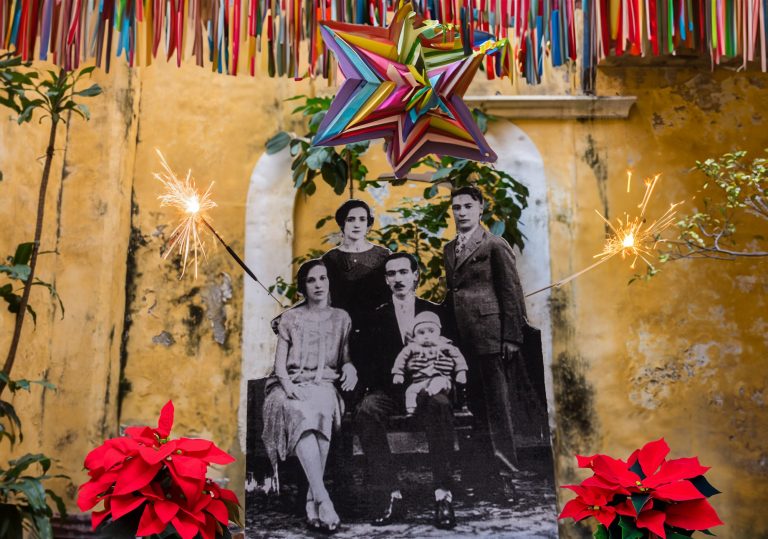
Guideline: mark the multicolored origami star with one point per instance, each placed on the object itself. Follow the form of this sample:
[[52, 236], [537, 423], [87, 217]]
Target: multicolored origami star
[[404, 85]]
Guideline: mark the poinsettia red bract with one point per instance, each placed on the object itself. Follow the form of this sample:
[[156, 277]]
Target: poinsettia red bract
[[164, 479], [647, 493]]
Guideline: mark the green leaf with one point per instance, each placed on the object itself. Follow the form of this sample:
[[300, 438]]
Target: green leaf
[[703, 486], [315, 121], [93, 90], [298, 175], [32, 490], [85, 71], [358, 147], [16, 467], [14, 301], [639, 501], [430, 192], [601, 533], [497, 228], [52, 291], [637, 469], [278, 142], [341, 178], [628, 529], [441, 173], [43, 525], [321, 222], [83, 111], [61, 507], [329, 173], [481, 118], [23, 253], [15, 385], [17, 271], [7, 410], [317, 156], [26, 114]]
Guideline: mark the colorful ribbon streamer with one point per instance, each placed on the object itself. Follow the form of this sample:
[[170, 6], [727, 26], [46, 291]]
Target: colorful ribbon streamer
[[71, 32]]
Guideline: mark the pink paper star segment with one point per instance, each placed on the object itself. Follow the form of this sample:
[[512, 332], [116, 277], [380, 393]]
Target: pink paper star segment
[[404, 85]]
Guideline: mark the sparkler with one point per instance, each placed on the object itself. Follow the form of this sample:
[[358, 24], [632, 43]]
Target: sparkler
[[631, 237], [183, 196]]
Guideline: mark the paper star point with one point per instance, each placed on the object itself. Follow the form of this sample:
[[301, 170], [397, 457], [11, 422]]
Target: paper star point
[[405, 86]]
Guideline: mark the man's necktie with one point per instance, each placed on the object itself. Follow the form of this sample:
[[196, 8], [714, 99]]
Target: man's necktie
[[461, 242]]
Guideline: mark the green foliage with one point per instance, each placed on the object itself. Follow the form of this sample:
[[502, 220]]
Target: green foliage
[[420, 223], [419, 229], [25, 91], [505, 197], [336, 167], [12, 83], [734, 195], [10, 424], [17, 269], [24, 509]]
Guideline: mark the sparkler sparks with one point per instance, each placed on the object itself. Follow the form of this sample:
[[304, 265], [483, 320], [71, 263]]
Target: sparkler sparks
[[183, 196], [631, 237]]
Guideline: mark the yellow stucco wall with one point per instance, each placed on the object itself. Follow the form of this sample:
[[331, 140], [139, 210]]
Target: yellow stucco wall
[[682, 356], [679, 357]]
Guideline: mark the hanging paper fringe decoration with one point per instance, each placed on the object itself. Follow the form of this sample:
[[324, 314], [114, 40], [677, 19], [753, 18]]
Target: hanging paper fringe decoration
[[71, 32], [718, 28]]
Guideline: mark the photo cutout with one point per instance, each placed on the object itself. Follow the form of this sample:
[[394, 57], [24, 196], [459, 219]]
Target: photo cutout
[[408, 391]]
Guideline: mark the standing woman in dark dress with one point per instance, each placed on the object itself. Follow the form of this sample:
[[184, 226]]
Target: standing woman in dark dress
[[356, 274]]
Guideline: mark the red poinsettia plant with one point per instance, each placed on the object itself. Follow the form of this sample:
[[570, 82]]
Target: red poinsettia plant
[[646, 496], [152, 486]]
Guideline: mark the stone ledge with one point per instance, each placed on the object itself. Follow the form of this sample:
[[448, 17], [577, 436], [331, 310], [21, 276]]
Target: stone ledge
[[553, 107]]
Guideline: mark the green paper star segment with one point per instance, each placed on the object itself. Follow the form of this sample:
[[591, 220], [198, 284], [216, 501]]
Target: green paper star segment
[[405, 84]]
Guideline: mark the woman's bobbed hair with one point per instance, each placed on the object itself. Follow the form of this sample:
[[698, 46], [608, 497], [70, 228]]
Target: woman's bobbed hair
[[301, 275], [348, 206]]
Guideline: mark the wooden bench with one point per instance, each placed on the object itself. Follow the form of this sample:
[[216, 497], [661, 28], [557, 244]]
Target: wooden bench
[[404, 435]]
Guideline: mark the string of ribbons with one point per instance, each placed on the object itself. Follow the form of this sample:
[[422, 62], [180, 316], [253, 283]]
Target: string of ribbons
[[230, 35]]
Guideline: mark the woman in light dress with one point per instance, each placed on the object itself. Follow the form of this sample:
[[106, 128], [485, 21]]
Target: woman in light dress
[[302, 407]]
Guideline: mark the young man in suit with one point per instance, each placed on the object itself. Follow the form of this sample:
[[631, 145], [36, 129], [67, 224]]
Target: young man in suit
[[386, 336], [486, 301]]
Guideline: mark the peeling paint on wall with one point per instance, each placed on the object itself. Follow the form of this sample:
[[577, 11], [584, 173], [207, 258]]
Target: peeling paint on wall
[[164, 338], [215, 297]]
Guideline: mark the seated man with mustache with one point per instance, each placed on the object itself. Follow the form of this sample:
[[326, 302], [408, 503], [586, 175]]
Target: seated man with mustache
[[388, 332]]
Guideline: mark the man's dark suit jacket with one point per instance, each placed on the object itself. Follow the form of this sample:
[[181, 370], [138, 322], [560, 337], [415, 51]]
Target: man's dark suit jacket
[[484, 293], [383, 342]]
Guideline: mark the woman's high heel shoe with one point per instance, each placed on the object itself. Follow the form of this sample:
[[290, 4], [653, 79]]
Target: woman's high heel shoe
[[313, 519], [329, 520]]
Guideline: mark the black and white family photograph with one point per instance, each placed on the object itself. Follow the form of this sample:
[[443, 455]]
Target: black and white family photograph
[[388, 414]]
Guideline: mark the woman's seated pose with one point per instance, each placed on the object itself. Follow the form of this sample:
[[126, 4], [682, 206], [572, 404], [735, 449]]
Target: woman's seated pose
[[302, 406]]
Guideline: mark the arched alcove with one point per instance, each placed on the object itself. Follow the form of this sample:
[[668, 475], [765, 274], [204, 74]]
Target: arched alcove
[[268, 252]]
